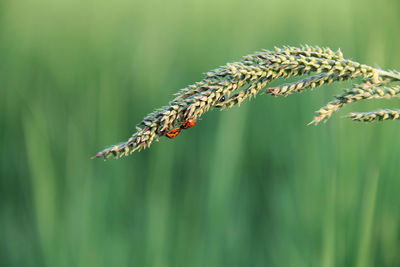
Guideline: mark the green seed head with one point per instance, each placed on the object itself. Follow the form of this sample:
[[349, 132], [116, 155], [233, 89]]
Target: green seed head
[[233, 83]]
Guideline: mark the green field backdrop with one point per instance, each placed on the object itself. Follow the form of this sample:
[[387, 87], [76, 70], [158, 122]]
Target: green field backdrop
[[250, 186]]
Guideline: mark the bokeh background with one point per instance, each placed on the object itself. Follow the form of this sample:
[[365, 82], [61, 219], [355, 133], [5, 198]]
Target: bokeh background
[[251, 186]]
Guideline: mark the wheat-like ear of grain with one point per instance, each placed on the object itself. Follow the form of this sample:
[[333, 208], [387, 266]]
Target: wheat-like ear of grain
[[253, 73], [378, 115]]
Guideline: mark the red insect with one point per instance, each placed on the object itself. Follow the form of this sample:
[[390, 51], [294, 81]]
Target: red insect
[[173, 133], [188, 123]]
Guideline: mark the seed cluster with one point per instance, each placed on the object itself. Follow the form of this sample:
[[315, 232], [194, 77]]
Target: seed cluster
[[378, 115], [361, 92], [250, 75]]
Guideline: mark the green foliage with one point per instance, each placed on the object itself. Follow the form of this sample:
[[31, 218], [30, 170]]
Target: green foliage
[[249, 186]]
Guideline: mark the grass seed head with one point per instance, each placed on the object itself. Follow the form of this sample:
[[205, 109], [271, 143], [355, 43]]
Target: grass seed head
[[233, 83]]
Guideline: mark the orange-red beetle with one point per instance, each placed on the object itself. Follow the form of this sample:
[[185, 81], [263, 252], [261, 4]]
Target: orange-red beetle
[[173, 133], [188, 123]]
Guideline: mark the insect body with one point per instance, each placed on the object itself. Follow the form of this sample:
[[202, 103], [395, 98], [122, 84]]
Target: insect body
[[188, 123], [219, 104], [185, 124], [173, 133]]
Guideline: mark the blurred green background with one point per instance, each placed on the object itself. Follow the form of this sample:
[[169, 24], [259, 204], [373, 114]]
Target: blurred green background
[[251, 186]]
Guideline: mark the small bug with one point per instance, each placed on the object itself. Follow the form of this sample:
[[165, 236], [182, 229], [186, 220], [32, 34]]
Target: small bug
[[188, 123], [219, 102], [173, 133]]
